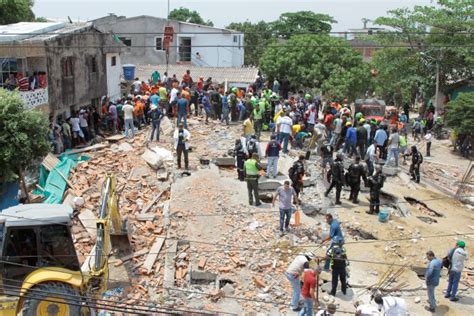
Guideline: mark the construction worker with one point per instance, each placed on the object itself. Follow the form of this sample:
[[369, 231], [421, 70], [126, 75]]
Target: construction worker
[[337, 177], [293, 273], [252, 168], [375, 183], [338, 259], [416, 161], [355, 172]]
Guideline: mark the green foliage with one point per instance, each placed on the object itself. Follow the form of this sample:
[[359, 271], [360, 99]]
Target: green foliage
[[41, 19], [256, 38], [186, 15], [460, 113], [13, 11], [259, 35], [440, 34], [23, 135], [319, 61], [301, 22]]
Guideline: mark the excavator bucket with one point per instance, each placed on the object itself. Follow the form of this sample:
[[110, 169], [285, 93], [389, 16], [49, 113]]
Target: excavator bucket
[[120, 241]]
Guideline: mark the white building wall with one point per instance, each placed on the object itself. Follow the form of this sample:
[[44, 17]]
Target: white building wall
[[114, 74], [207, 45]]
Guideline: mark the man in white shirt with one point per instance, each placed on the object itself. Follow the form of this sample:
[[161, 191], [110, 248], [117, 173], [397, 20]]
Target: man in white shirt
[[458, 256], [393, 144], [371, 158], [128, 118], [83, 115], [284, 125], [293, 273], [391, 306], [337, 130], [137, 86], [428, 138], [76, 130], [174, 99]]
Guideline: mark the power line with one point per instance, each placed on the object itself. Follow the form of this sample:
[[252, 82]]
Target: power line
[[236, 32]]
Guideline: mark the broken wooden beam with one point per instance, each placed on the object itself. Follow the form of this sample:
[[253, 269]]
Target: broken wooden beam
[[153, 254]]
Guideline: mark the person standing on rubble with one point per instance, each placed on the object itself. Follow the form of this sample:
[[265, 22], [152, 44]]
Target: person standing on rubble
[[181, 143], [183, 110], [285, 194], [375, 183], [416, 161], [335, 235], [240, 155], [457, 256], [252, 168], [296, 174], [338, 257], [155, 115], [293, 273], [128, 113], [432, 276], [355, 172], [337, 178], [272, 153], [308, 290]]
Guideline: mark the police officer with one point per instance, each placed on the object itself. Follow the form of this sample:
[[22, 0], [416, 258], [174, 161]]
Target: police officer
[[355, 172], [240, 156], [416, 161], [337, 177], [338, 258], [375, 183], [252, 168], [296, 174]]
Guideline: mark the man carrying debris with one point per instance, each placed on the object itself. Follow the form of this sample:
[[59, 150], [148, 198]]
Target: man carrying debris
[[285, 194], [338, 257], [457, 257], [293, 273], [375, 183], [296, 174], [181, 143], [391, 306], [337, 178], [416, 161], [355, 172], [432, 277], [252, 168]]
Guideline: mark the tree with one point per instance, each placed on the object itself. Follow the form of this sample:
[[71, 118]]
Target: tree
[[460, 113], [256, 38], [186, 15], [318, 61], [13, 11], [41, 19], [301, 22], [436, 36], [23, 135]]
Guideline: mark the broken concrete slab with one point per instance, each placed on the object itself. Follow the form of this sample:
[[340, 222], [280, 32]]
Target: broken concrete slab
[[166, 126], [125, 147], [266, 184], [145, 217], [152, 159], [225, 161], [202, 276], [390, 171]]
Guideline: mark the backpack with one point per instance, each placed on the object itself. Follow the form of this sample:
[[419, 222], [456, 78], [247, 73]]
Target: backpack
[[252, 147], [447, 261], [292, 172]]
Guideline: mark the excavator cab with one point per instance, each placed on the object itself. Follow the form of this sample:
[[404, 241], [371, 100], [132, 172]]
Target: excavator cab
[[40, 271]]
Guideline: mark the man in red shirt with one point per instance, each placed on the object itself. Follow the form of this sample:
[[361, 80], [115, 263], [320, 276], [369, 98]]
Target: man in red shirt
[[310, 279]]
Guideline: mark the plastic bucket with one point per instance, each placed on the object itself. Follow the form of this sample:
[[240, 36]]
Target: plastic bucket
[[129, 72], [384, 215]]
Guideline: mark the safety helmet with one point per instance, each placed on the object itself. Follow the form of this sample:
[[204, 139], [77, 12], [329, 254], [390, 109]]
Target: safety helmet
[[307, 96]]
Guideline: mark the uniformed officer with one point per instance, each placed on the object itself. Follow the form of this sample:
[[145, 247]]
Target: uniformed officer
[[252, 168], [337, 177], [355, 172], [375, 183]]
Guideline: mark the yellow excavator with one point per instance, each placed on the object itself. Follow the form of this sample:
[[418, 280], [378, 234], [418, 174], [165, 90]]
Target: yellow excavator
[[41, 274]]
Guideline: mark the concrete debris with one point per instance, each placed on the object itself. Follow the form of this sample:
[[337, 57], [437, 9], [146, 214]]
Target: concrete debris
[[125, 147]]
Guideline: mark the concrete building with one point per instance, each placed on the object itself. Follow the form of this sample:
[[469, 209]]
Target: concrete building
[[65, 65], [191, 44]]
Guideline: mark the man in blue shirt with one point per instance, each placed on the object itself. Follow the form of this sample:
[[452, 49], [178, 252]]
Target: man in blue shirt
[[381, 137], [206, 104], [183, 110], [335, 236], [432, 276], [225, 108], [350, 140], [154, 99]]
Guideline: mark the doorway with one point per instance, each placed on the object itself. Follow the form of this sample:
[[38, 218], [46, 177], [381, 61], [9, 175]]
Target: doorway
[[185, 49]]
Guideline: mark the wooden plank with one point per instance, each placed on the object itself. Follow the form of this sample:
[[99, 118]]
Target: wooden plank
[[149, 206], [50, 161], [153, 254], [170, 267], [85, 149], [88, 220], [134, 255], [115, 138]]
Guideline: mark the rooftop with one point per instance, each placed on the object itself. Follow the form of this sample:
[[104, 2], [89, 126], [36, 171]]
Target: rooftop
[[36, 214], [38, 31], [219, 74]]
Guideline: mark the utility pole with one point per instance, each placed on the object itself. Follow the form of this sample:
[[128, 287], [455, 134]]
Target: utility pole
[[437, 88], [168, 47]]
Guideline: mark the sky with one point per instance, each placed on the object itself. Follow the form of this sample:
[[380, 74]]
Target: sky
[[348, 13]]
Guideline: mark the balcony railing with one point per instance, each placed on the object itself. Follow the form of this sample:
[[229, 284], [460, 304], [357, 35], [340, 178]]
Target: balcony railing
[[34, 98]]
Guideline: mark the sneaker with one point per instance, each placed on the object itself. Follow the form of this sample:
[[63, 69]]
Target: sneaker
[[454, 299], [258, 204], [282, 233], [447, 296], [430, 309]]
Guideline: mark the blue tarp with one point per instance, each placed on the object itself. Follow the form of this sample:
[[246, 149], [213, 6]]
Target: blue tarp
[[9, 194]]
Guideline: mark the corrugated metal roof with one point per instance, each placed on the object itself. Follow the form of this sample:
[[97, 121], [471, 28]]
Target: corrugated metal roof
[[38, 31], [218, 74]]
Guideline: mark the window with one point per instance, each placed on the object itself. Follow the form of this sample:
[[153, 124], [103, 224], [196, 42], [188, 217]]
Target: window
[[159, 43], [235, 38], [93, 64], [56, 247], [113, 62], [126, 40], [67, 66]]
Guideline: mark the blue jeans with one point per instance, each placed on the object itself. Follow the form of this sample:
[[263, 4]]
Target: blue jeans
[[307, 309], [334, 138], [129, 126], [431, 295], [453, 282], [285, 222], [349, 148], [284, 137], [296, 285], [272, 166], [225, 115], [183, 116], [392, 153], [155, 127]]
